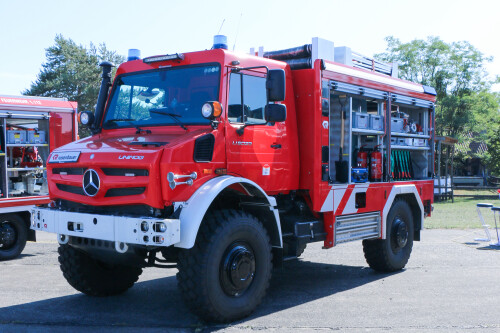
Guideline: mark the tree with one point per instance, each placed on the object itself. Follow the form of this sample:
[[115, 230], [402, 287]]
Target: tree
[[492, 156], [457, 72], [72, 71]]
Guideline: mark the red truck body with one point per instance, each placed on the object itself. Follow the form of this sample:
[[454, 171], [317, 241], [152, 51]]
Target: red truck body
[[298, 176]]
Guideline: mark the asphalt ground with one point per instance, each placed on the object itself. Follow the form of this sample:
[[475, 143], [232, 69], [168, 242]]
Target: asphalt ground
[[451, 284]]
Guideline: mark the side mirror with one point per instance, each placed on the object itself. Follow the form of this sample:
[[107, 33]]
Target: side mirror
[[275, 85], [86, 118], [275, 113]]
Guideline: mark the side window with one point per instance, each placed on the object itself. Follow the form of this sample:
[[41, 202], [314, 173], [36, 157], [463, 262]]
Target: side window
[[249, 106], [234, 110]]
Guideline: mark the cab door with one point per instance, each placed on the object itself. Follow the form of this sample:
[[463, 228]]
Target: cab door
[[254, 147]]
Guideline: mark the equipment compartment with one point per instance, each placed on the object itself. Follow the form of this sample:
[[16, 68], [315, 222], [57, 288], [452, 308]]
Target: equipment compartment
[[402, 142], [24, 154]]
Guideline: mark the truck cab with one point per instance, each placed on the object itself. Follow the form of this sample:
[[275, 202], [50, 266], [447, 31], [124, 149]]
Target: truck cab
[[153, 122]]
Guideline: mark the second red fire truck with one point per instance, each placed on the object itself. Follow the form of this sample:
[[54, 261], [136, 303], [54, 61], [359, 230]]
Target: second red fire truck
[[225, 164], [30, 128]]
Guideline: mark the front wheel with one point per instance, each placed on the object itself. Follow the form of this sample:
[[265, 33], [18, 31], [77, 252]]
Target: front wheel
[[226, 274], [93, 277], [13, 236], [392, 254]]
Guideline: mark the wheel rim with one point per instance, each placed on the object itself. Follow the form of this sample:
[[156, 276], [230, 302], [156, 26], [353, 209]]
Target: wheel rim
[[399, 235], [8, 235], [237, 268]]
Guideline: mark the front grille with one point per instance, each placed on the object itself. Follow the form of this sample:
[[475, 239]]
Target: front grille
[[204, 148], [121, 192], [68, 171], [124, 172], [71, 189], [110, 182]]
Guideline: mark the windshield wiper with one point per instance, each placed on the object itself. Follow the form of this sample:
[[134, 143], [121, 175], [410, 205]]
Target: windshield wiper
[[174, 116]]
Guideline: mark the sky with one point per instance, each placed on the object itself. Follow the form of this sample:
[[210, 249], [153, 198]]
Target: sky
[[28, 27]]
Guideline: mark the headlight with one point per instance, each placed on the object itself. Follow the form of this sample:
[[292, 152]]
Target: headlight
[[86, 118], [207, 110], [211, 110]]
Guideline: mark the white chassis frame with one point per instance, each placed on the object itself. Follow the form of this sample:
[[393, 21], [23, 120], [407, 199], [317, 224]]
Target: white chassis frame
[[118, 229]]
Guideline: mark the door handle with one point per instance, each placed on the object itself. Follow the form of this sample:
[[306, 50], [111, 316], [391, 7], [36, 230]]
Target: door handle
[[276, 146]]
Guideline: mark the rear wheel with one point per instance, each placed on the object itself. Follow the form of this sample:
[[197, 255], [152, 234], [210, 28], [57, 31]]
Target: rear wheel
[[392, 254], [226, 274], [93, 277], [13, 236]]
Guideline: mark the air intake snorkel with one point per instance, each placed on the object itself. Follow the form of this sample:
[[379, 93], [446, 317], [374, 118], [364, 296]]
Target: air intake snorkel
[[103, 95]]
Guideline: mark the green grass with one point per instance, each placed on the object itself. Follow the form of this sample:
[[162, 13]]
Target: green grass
[[461, 214], [493, 193]]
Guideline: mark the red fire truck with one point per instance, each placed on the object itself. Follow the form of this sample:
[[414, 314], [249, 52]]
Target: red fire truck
[[30, 127], [226, 163]]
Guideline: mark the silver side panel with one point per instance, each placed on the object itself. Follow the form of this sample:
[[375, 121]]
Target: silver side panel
[[357, 226]]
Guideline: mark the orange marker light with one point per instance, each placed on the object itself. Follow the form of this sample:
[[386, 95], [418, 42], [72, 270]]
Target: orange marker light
[[217, 109]]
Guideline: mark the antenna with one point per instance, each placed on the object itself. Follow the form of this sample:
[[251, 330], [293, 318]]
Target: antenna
[[237, 30], [224, 20]]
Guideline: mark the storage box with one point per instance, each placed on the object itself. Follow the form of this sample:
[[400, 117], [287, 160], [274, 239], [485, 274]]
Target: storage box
[[359, 175], [397, 124], [16, 136], [420, 142], [36, 137], [360, 120], [408, 142], [376, 122]]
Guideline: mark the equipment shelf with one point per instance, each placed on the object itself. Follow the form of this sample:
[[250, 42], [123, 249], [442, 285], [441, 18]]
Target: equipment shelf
[[366, 131], [25, 169], [410, 147], [408, 135]]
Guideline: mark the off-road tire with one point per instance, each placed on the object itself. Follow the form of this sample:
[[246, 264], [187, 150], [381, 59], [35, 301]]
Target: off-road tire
[[21, 236], [93, 277], [384, 255], [201, 268]]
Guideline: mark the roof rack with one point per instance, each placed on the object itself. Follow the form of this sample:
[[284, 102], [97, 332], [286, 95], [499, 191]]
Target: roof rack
[[303, 57]]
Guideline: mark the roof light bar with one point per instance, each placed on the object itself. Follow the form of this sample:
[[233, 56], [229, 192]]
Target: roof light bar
[[175, 56]]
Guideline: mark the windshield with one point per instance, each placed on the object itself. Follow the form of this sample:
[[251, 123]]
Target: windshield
[[170, 96]]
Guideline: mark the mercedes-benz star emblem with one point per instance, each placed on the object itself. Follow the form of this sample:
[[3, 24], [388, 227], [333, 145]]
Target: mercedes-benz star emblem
[[91, 182]]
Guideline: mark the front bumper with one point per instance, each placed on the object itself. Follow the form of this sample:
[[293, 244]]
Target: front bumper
[[119, 229]]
